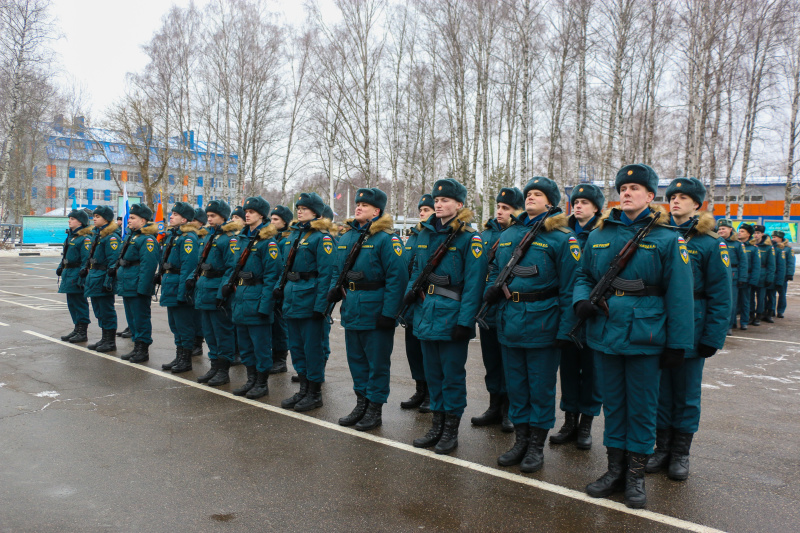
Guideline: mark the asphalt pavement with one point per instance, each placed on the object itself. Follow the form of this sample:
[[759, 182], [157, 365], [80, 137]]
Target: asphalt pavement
[[91, 443]]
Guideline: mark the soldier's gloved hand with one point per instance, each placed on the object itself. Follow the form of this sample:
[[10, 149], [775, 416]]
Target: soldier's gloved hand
[[220, 303], [227, 290], [83, 273], [671, 358], [410, 298], [385, 322], [191, 284], [704, 350], [112, 272], [585, 310], [789, 278], [492, 295], [334, 295], [316, 315], [277, 294], [563, 344], [59, 271], [461, 333]]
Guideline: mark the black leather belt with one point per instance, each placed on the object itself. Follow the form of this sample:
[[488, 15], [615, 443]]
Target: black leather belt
[[536, 296], [94, 265], [649, 290], [209, 272], [700, 295], [365, 286], [448, 291], [71, 265], [251, 281], [297, 276], [125, 263], [172, 271]]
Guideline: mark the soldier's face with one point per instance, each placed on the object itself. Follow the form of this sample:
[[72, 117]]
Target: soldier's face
[[583, 209], [276, 220], [135, 222], [237, 219], [682, 205], [503, 213], [176, 220], [425, 212], [305, 214], [98, 221], [215, 220], [252, 218], [536, 202], [74, 223], [633, 198], [724, 231], [758, 235], [775, 239], [743, 235], [365, 212], [445, 207]]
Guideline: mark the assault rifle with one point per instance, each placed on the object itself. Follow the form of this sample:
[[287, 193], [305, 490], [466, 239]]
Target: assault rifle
[[287, 267], [421, 283], [164, 256], [600, 293], [347, 267], [191, 283], [507, 274], [85, 270], [230, 287], [112, 272]]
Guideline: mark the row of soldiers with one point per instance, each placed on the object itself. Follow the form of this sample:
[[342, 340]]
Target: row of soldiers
[[602, 296]]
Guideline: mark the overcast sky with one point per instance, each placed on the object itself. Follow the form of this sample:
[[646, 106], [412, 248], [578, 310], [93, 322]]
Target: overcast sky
[[102, 40]]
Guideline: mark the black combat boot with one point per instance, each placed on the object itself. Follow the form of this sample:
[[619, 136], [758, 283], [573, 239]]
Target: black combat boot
[[249, 384], [679, 460], [743, 326], [80, 333], [94, 345], [221, 377], [295, 378], [184, 364], [425, 406], [434, 434], [534, 458], [237, 359], [197, 349], [71, 334], [635, 494], [136, 347], [568, 432], [108, 343], [417, 398], [312, 399], [290, 402], [372, 418], [614, 478], [584, 438], [493, 415], [449, 440], [357, 413], [506, 426], [279, 362], [756, 320], [660, 458], [517, 452], [142, 356], [125, 334], [205, 378], [261, 388], [768, 317], [168, 366]]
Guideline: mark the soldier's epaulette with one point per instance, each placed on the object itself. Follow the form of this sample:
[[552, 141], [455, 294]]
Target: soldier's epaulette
[[469, 229], [713, 235], [563, 229]]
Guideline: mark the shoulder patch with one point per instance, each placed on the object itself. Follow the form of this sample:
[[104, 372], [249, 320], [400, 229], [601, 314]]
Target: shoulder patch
[[682, 249], [327, 244], [150, 245], [574, 248], [114, 243], [397, 245], [273, 250], [188, 246], [476, 246]]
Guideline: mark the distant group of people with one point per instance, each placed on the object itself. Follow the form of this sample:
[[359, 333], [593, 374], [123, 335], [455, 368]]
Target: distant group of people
[[259, 283]]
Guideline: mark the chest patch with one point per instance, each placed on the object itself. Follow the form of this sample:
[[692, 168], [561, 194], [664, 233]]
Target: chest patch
[[397, 246], [682, 249], [273, 250], [327, 244], [601, 245], [188, 246]]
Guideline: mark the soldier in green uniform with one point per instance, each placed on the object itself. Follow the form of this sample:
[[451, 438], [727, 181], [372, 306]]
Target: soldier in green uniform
[[773, 292], [753, 257], [374, 294], [327, 214], [738, 260], [444, 320], [199, 221], [304, 299], [103, 252], [281, 217], [766, 276], [579, 394], [790, 266], [140, 254], [680, 392], [73, 257], [646, 329], [180, 261], [218, 329], [534, 318], [509, 202], [253, 306], [421, 399]]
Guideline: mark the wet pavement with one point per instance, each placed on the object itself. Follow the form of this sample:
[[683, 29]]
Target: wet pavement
[[91, 443]]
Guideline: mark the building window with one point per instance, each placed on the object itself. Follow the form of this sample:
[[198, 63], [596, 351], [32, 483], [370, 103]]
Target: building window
[[171, 180], [89, 195], [80, 173], [61, 172]]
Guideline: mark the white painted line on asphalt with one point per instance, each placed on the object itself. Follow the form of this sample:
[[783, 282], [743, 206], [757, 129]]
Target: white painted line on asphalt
[[764, 340], [494, 472], [3, 324]]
